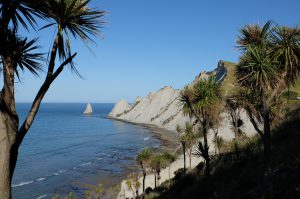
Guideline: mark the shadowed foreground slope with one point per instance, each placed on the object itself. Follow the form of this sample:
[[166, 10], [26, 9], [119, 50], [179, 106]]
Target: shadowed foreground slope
[[239, 174]]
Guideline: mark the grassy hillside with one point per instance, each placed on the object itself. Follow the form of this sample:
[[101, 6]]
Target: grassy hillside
[[239, 174], [229, 82]]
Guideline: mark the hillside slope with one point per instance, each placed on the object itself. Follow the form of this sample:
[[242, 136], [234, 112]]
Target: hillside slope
[[239, 174]]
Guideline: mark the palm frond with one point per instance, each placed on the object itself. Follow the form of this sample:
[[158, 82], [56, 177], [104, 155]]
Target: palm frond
[[206, 92], [257, 70], [286, 49], [21, 12], [73, 18], [186, 101], [23, 53], [254, 35]]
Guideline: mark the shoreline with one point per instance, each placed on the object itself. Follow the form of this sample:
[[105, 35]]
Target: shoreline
[[169, 141], [169, 138]]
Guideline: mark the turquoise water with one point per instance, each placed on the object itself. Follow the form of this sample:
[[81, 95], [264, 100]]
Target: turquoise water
[[66, 150]]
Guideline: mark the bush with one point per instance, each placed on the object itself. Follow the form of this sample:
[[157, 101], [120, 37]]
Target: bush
[[148, 190], [178, 174]]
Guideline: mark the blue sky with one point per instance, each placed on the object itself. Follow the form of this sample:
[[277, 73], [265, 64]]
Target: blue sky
[[148, 44]]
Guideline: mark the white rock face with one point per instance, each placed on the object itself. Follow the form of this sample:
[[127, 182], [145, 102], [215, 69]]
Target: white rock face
[[119, 108], [162, 108]]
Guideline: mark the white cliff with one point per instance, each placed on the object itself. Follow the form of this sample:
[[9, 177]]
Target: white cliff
[[162, 108]]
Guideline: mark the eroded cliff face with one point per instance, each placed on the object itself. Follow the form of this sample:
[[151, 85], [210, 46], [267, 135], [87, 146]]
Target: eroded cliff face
[[163, 108]]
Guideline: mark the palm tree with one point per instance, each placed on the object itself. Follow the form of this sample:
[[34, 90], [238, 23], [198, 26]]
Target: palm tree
[[197, 102], [168, 159], [258, 72], [191, 139], [265, 69], [286, 50], [254, 35], [183, 140], [157, 163], [144, 158], [70, 17]]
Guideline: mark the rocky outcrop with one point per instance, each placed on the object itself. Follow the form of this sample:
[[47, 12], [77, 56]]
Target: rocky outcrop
[[162, 108]]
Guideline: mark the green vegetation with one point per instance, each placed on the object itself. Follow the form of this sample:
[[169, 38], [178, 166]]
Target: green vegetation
[[168, 159], [200, 101], [188, 139], [133, 184], [229, 82], [144, 158], [240, 176], [267, 165]]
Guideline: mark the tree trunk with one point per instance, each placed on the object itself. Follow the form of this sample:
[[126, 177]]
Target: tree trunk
[[144, 178], [169, 176], [267, 149], [267, 138], [158, 178], [137, 193], [206, 148], [216, 143], [236, 130], [8, 153], [155, 180], [190, 156], [5, 176], [9, 123], [184, 165]]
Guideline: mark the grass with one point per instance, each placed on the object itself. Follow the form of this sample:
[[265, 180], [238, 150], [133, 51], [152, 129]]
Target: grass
[[229, 82]]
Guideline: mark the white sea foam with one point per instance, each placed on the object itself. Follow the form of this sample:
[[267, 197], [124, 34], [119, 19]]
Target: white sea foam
[[40, 179], [87, 163], [42, 196], [23, 183], [62, 171], [146, 138]]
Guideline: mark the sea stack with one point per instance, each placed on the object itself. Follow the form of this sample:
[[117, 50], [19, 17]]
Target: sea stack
[[88, 110]]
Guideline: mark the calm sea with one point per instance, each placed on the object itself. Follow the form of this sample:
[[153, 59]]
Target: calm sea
[[65, 150]]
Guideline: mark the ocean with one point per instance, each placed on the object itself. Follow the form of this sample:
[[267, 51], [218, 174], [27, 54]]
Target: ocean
[[65, 151]]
